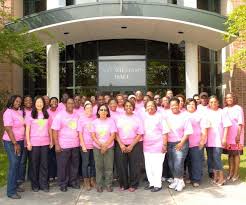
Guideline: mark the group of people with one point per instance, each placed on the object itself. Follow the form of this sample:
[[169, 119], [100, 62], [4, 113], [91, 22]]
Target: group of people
[[106, 137]]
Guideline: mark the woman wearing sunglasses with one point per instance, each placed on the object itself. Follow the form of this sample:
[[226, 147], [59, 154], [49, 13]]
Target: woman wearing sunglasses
[[103, 135]]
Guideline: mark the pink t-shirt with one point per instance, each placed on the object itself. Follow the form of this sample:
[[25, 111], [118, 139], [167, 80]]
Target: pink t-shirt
[[198, 122], [154, 128], [61, 106], [14, 119], [79, 111], [66, 125], [95, 107], [115, 115], [28, 113], [128, 128], [39, 130], [139, 105], [202, 109], [85, 127], [218, 120], [103, 130], [179, 125], [236, 116], [52, 115], [120, 110]]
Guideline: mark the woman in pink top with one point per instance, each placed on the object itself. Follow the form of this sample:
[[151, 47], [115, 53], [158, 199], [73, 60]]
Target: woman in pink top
[[235, 137], [196, 142], [13, 140], [39, 139], [88, 164], [103, 135], [66, 141], [120, 103], [112, 104], [178, 145], [219, 124], [130, 131], [182, 102], [154, 145], [25, 155], [53, 111]]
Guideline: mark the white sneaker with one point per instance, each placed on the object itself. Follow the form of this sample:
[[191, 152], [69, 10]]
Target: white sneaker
[[163, 179], [170, 180], [180, 185], [174, 183]]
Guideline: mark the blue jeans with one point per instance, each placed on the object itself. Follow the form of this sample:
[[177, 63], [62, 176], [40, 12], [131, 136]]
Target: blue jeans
[[88, 164], [22, 173], [176, 159], [14, 165], [214, 156], [195, 164]]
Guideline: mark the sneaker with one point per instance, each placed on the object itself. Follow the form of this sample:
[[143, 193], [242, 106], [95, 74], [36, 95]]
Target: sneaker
[[195, 184], [163, 179], [180, 185], [173, 184], [170, 180], [188, 181]]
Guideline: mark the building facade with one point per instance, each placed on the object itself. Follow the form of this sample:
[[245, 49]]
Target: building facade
[[124, 45]]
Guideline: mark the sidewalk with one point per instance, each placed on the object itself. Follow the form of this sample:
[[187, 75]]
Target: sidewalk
[[232, 193]]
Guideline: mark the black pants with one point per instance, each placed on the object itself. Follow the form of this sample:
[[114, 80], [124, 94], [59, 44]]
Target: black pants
[[68, 167], [39, 167], [129, 161], [166, 173], [52, 163], [88, 164]]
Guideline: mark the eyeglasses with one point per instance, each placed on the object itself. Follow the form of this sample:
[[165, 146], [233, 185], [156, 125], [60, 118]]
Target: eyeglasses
[[103, 110]]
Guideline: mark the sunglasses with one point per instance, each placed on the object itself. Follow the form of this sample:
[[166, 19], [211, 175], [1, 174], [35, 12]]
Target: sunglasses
[[105, 110]]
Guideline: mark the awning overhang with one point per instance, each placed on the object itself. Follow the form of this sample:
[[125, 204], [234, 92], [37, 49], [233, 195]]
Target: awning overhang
[[102, 21]]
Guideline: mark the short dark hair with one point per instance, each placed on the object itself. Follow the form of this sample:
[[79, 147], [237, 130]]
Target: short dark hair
[[174, 99], [105, 105], [152, 102], [189, 100], [54, 98]]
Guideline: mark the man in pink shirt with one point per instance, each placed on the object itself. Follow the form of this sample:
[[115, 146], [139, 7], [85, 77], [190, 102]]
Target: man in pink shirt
[[66, 141], [62, 104]]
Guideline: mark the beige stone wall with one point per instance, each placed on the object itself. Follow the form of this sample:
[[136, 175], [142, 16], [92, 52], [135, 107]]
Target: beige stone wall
[[11, 76]]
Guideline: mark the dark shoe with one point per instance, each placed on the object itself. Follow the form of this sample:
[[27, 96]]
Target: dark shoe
[[63, 189], [99, 189], [35, 189], [20, 189], [211, 175], [45, 190], [15, 196], [148, 187], [109, 189], [75, 186], [155, 189]]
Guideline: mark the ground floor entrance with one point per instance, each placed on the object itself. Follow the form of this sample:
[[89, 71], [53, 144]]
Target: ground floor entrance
[[126, 65]]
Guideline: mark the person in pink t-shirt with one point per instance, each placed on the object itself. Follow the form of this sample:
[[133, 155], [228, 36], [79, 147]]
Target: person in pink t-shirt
[[88, 163], [103, 135], [39, 140], [154, 145], [13, 141], [139, 100], [66, 141], [216, 138], [53, 111], [128, 148], [112, 104], [62, 104], [77, 105], [178, 145], [120, 103], [182, 102], [195, 156], [235, 138], [25, 155]]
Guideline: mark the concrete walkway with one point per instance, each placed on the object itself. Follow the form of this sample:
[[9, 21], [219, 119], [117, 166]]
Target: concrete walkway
[[231, 193]]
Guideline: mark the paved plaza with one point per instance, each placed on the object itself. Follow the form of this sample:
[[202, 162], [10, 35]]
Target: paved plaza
[[231, 193]]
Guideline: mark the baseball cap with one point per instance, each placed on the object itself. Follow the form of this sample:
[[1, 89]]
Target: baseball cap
[[203, 94], [131, 96]]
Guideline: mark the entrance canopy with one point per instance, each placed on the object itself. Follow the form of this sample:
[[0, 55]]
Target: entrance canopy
[[130, 20]]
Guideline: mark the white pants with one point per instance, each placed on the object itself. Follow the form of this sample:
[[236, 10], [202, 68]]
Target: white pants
[[153, 167]]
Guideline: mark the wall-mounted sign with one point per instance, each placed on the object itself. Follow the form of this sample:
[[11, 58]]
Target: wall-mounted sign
[[122, 71]]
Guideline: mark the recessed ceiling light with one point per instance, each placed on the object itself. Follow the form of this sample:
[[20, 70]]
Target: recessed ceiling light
[[180, 32], [66, 33], [124, 27]]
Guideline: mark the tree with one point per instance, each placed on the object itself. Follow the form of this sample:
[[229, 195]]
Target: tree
[[237, 27], [19, 47]]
